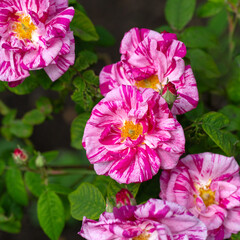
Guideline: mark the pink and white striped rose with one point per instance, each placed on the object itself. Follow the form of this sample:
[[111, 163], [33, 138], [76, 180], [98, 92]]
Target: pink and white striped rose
[[35, 34], [208, 185], [154, 220], [150, 60], [130, 135]]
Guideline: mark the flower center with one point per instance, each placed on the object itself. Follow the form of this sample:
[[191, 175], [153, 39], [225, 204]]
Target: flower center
[[143, 236], [131, 130], [207, 195], [151, 82], [24, 27]]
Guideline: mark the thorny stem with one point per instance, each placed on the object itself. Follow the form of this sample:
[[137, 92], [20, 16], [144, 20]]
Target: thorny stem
[[55, 170], [192, 126], [87, 167], [44, 175]]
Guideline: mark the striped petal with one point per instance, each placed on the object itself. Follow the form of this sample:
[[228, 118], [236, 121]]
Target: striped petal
[[112, 76], [11, 71], [159, 139], [59, 25], [61, 63], [209, 186], [157, 219], [48, 44], [147, 54], [188, 93]]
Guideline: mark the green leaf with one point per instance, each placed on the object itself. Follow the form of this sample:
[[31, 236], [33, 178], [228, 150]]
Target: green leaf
[[2, 87], [77, 6], [83, 27], [64, 81], [114, 188], [72, 1], [11, 207], [195, 113], [26, 87], [179, 12], [105, 37], [33, 117], [164, 28], [5, 131], [34, 183], [212, 124], [217, 120], [87, 201], [203, 62], [59, 188], [21, 129], [4, 218], [51, 215], [90, 77], [149, 189], [210, 9], [2, 166], [77, 130], [44, 105], [198, 37], [85, 59], [218, 24], [9, 117], [79, 83], [4, 110], [233, 86], [78, 96], [235, 236], [101, 182], [11, 226], [50, 155], [15, 186], [233, 113]]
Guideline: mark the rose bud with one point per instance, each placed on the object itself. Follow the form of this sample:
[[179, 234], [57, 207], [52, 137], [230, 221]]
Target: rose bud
[[124, 197], [169, 93], [20, 156]]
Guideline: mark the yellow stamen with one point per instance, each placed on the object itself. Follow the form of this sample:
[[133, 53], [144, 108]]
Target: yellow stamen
[[131, 130], [24, 27], [151, 82], [143, 236], [207, 195]]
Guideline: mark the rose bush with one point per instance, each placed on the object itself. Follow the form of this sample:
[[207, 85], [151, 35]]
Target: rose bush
[[135, 121]]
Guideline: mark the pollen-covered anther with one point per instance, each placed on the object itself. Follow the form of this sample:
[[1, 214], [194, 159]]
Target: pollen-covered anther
[[143, 236], [24, 27], [207, 195], [131, 130], [151, 82]]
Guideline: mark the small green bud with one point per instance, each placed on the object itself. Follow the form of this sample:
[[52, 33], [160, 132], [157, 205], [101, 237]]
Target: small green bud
[[40, 161]]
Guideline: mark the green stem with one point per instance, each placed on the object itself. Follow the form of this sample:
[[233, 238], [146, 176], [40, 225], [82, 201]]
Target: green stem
[[58, 170], [192, 126], [232, 23]]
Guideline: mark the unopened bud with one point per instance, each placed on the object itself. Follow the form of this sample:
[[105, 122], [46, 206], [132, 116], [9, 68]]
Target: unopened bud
[[169, 93], [40, 161], [20, 156], [124, 197]]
